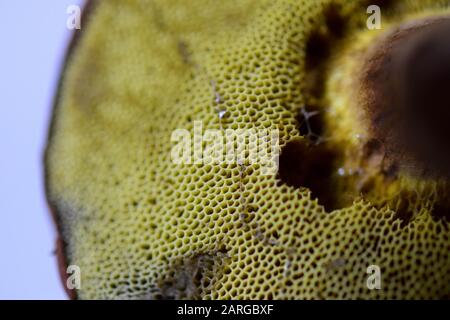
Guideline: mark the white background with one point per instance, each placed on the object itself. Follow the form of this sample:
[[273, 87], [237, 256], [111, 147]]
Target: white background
[[33, 39]]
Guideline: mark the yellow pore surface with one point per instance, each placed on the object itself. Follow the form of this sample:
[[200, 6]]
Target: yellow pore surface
[[140, 226]]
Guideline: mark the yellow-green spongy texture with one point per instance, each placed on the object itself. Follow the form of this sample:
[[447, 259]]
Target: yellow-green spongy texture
[[140, 226]]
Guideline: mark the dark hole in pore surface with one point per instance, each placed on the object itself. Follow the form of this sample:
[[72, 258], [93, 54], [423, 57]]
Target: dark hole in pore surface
[[335, 21], [403, 213], [319, 48], [303, 164], [441, 213], [320, 42]]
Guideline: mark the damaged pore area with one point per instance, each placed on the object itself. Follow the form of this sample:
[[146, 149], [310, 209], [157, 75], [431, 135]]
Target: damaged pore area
[[303, 164], [191, 277]]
